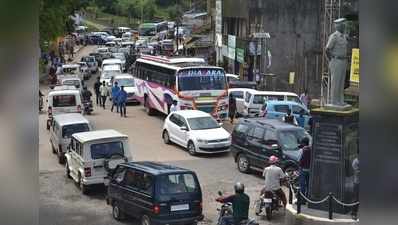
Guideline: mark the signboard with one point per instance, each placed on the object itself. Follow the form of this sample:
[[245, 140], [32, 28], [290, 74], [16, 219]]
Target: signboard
[[231, 41], [218, 16], [354, 73], [224, 50], [291, 77], [253, 47], [231, 53], [261, 35], [240, 55]]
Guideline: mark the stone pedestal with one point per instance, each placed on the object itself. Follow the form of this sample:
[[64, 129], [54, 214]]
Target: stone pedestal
[[335, 146]]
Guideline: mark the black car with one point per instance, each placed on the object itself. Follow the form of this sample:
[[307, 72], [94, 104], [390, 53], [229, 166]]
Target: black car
[[155, 193], [255, 140]]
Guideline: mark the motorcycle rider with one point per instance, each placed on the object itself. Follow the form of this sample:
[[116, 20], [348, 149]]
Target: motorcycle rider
[[273, 175], [86, 94], [240, 205]]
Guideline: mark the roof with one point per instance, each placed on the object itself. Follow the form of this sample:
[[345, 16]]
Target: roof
[[70, 118], [111, 61], [276, 93], [275, 123], [64, 91], [276, 102], [232, 75], [192, 113], [97, 135], [175, 63], [123, 76], [240, 89], [155, 168]]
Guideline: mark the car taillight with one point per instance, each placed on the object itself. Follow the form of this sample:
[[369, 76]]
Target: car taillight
[[79, 108], [87, 172], [156, 209]]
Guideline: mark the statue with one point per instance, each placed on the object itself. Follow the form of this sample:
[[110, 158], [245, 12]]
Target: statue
[[336, 51]]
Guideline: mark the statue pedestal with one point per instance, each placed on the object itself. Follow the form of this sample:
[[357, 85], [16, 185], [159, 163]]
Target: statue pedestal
[[335, 145]]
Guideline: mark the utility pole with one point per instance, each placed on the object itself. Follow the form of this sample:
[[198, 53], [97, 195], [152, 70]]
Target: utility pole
[[177, 22]]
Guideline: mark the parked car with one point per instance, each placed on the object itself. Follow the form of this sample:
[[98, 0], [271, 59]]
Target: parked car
[[108, 72], [91, 63], [72, 81], [71, 69], [278, 109], [155, 193], [84, 70], [62, 128], [122, 57], [197, 131], [128, 82], [93, 155], [255, 140]]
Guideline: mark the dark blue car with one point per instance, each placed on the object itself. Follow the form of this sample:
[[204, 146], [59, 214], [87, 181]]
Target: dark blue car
[[155, 193]]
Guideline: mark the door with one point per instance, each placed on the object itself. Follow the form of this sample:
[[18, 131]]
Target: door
[[240, 102], [270, 138], [279, 111], [73, 162], [129, 192], [301, 114], [182, 135], [256, 146], [115, 189], [53, 135], [173, 127]]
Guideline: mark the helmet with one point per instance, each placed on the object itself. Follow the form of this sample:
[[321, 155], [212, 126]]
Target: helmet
[[239, 187], [273, 159]]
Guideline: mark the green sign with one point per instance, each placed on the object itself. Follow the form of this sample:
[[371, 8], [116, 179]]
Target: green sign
[[240, 55]]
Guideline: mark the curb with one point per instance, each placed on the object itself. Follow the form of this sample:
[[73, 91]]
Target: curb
[[293, 218]]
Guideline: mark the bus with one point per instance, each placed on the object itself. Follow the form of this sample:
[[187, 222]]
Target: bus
[[147, 30], [190, 81]]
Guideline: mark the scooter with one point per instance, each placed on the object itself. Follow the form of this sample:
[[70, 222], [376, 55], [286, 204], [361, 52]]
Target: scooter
[[88, 107], [226, 210]]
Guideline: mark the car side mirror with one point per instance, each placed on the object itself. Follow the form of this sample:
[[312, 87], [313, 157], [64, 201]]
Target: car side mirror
[[184, 128]]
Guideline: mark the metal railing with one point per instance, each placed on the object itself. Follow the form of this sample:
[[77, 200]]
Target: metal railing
[[329, 198]]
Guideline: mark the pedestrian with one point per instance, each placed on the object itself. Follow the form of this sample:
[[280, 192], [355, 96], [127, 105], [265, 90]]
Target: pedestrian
[[97, 86], [355, 167], [115, 93], [305, 98], [104, 93], [121, 99], [289, 118], [304, 163], [173, 107], [232, 108]]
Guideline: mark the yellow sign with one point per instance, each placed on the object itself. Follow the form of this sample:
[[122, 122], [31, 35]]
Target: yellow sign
[[291, 77], [354, 74]]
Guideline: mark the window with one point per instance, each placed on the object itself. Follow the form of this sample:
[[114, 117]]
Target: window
[[299, 110], [173, 118], [281, 108], [270, 137], [68, 130], [248, 96], [181, 121], [106, 150], [178, 183], [258, 133], [237, 94], [259, 99], [241, 128], [64, 100], [139, 181], [294, 99], [276, 98]]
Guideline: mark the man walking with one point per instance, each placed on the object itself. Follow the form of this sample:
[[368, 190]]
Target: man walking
[[104, 93], [305, 98], [115, 93], [304, 163], [97, 86], [232, 108], [121, 99]]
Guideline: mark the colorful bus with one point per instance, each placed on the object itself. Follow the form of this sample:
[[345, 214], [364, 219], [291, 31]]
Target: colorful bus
[[189, 81]]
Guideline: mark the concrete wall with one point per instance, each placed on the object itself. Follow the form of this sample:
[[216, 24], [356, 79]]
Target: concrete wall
[[294, 26]]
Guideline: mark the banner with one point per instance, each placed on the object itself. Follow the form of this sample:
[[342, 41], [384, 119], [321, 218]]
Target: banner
[[231, 41], [354, 73], [231, 53], [291, 77], [240, 55]]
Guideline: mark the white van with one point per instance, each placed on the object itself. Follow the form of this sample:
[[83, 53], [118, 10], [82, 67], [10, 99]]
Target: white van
[[92, 155], [253, 100], [108, 72], [112, 61], [64, 100], [62, 128]]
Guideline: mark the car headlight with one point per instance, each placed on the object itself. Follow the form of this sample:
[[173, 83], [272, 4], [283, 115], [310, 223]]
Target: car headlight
[[202, 141]]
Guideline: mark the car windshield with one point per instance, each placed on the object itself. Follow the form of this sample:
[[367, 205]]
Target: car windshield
[[276, 97], [127, 82], [106, 150], [290, 139], [147, 31], [64, 100], [259, 99], [178, 183], [108, 74], [75, 83], [201, 79], [203, 123], [294, 99], [118, 56], [68, 130]]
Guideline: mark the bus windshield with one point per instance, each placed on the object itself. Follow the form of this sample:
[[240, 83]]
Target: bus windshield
[[147, 30], [201, 79]]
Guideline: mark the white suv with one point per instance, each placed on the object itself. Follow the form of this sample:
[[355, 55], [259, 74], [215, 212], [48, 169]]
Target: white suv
[[93, 155], [197, 131]]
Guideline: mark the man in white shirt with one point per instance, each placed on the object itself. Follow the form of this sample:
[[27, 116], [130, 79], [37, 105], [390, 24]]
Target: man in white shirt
[[273, 175], [173, 107]]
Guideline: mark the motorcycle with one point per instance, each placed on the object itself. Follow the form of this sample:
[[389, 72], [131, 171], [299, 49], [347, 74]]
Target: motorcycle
[[226, 210], [88, 107], [270, 202]]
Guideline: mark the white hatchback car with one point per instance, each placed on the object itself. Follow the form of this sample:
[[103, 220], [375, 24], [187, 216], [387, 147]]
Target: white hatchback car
[[197, 131], [93, 155]]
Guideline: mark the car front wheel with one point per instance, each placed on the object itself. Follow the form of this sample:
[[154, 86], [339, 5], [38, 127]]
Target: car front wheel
[[243, 163], [166, 137], [116, 212], [191, 148]]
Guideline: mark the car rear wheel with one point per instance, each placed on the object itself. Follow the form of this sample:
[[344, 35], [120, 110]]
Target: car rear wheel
[[145, 220], [82, 186], [191, 148], [166, 137], [61, 159], [116, 212], [67, 171], [243, 163]]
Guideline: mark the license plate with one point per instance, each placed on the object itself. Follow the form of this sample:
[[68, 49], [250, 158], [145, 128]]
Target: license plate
[[179, 207], [267, 200], [219, 145]]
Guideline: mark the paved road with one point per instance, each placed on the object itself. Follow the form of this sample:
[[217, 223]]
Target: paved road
[[62, 203]]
